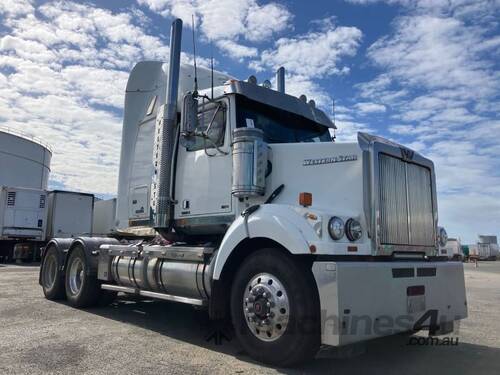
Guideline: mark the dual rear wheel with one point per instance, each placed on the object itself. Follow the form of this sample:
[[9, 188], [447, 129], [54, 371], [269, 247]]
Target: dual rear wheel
[[78, 285]]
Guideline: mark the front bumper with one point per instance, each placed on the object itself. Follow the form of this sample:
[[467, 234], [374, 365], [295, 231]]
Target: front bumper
[[364, 300]]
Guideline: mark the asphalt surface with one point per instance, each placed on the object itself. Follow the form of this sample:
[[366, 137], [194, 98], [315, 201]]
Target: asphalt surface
[[134, 336]]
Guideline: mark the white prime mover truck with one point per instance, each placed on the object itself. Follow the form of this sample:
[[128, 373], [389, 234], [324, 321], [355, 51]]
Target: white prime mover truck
[[293, 237]]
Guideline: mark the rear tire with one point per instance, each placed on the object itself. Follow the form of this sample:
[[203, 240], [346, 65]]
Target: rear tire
[[82, 289], [52, 277], [282, 324]]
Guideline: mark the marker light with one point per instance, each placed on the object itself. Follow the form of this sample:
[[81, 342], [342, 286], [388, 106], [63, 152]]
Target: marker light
[[305, 199]]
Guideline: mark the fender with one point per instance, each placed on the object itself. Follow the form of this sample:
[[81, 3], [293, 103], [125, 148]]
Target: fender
[[90, 247], [281, 223], [61, 245]]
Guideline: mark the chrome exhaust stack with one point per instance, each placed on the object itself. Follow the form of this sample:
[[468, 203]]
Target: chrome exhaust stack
[[280, 79], [165, 135]]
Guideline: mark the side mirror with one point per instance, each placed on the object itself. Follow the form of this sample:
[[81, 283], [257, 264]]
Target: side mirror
[[189, 116]]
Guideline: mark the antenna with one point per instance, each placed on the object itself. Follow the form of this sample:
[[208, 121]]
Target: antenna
[[195, 92], [333, 111], [212, 69], [333, 117]]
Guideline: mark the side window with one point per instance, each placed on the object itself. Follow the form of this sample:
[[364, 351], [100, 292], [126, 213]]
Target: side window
[[211, 127]]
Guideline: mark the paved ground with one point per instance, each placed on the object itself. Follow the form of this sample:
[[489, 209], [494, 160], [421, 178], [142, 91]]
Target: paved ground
[[132, 336]]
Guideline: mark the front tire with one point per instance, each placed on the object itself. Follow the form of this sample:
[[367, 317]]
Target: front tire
[[275, 309]]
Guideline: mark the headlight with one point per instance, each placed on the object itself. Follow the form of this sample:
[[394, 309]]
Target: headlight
[[336, 228], [353, 230], [443, 236]]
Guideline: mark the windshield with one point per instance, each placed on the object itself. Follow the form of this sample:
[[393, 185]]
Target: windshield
[[279, 126]]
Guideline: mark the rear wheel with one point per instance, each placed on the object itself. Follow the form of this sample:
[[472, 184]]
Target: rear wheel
[[52, 277], [275, 309], [82, 289]]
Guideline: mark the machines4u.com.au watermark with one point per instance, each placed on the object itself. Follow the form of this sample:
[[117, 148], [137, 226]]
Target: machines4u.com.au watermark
[[366, 327]]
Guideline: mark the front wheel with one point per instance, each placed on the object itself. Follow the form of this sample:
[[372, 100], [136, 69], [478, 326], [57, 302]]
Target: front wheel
[[275, 309]]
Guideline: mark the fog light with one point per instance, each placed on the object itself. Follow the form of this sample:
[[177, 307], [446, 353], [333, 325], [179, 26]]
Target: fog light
[[336, 228], [353, 230]]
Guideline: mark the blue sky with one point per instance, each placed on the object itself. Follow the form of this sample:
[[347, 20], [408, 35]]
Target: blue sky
[[423, 73]]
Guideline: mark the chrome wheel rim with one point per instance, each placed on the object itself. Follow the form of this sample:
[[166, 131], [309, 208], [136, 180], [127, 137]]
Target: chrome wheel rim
[[266, 307], [76, 275], [49, 271]]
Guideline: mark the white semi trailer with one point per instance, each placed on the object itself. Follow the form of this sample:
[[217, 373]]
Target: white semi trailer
[[295, 238], [29, 218]]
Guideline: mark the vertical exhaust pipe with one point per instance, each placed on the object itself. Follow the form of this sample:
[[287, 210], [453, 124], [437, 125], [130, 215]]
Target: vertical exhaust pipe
[[173, 70], [280, 79], [166, 128]]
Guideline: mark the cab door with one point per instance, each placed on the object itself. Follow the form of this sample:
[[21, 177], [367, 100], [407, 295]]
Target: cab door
[[204, 168]]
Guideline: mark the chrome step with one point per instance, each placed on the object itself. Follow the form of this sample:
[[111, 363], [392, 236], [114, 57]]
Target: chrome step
[[163, 296]]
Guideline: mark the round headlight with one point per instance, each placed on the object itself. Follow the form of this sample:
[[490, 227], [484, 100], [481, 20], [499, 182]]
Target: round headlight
[[353, 230], [336, 228], [443, 236]]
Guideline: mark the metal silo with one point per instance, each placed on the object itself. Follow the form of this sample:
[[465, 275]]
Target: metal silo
[[24, 160]]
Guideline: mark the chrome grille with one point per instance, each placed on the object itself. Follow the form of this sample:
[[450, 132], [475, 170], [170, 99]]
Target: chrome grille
[[406, 211]]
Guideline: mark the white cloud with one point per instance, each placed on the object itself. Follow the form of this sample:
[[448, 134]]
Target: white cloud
[[27, 49], [315, 54], [15, 8], [266, 20], [348, 130], [434, 52], [228, 22], [367, 107], [235, 50], [231, 24]]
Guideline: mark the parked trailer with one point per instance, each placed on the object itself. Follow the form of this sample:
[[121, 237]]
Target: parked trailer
[[104, 222], [271, 224], [62, 220], [55, 212], [23, 214], [486, 249]]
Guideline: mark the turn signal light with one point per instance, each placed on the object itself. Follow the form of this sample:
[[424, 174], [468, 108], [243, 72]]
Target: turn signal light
[[305, 199]]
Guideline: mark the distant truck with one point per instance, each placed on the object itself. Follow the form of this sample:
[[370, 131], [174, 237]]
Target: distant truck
[[31, 217], [453, 249], [483, 251]]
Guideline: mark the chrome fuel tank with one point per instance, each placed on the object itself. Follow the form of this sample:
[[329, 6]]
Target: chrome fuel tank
[[185, 279]]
